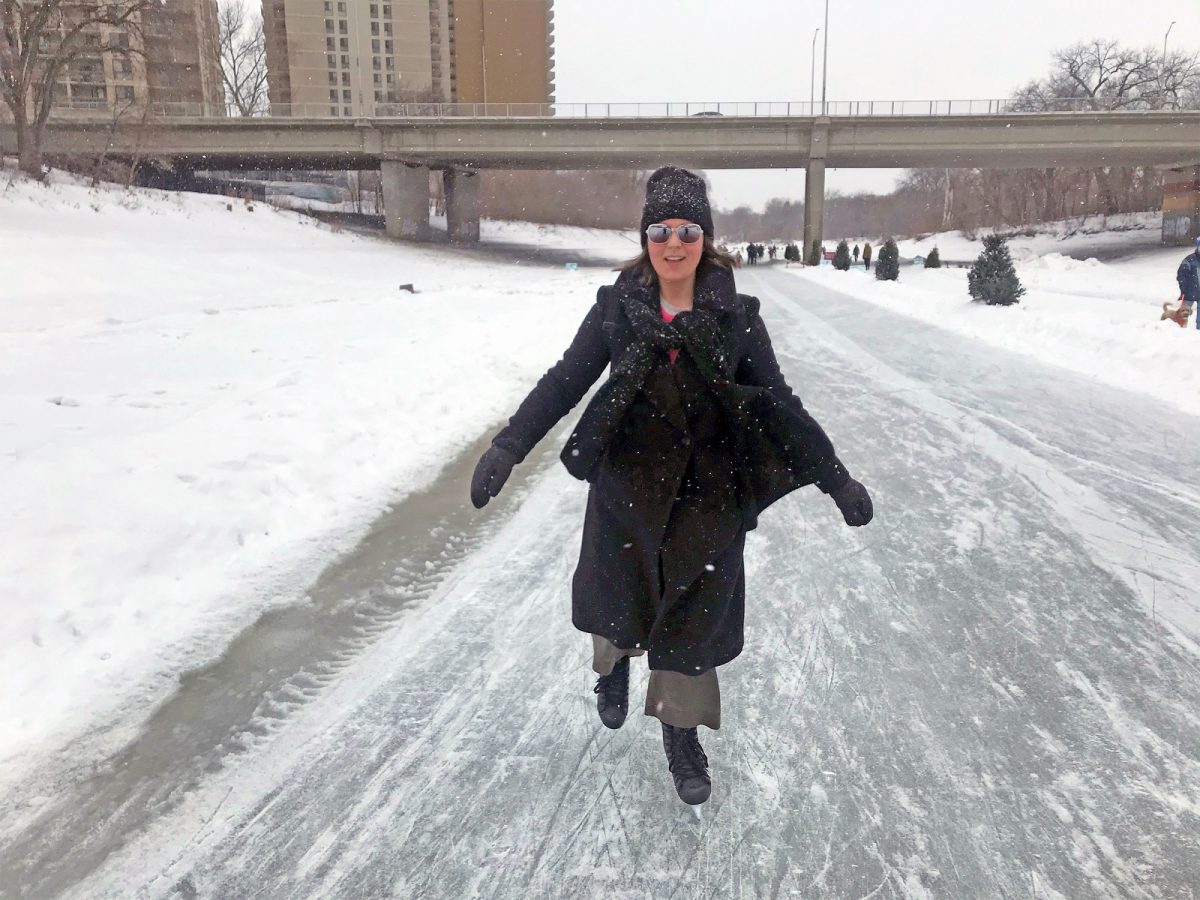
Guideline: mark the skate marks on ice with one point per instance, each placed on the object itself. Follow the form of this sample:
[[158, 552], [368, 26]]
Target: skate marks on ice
[[268, 673], [1011, 695]]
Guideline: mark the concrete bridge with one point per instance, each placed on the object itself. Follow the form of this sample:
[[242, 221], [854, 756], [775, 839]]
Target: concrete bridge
[[406, 148]]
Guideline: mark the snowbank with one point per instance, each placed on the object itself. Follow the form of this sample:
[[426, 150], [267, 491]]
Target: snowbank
[[200, 406], [1101, 319]]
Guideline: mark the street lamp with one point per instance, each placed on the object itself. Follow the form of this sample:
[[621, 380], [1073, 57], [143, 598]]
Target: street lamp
[[812, 75], [825, 59], [1165, 36]]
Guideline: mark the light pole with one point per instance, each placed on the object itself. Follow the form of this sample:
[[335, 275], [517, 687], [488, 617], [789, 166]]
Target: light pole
[[1165, 36], [812, 76], [825, 59]]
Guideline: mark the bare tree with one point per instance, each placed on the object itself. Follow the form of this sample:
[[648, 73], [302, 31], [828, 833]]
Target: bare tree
[[40, 41], [243, 55]]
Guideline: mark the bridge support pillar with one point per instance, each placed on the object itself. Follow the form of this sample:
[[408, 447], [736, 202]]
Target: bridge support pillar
[[462, 206], [405, 199], [814, 186]]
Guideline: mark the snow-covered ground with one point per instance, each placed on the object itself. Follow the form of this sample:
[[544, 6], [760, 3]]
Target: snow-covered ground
[[216, 401], [200, 406], [1098, 318]]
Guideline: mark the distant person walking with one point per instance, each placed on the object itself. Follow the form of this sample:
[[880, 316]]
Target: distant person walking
[[856, 251], [692, 436], [867, 256], [1188, 277]]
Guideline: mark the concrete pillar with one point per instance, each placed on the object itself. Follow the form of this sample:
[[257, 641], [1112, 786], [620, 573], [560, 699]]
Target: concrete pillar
[[814, 186], [405, 200], [462, 206]]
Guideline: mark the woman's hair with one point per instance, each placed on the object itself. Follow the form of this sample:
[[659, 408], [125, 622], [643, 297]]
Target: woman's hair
[[641, 266]]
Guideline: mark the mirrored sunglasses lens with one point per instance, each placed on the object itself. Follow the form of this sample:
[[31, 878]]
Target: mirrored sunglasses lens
[[689, 234], [658, 233]]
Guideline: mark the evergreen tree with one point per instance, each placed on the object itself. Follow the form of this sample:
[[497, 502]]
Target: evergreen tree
[[933, 261], [841, 257], [814, 254], [888, 267], [992, 278], [791, 253]]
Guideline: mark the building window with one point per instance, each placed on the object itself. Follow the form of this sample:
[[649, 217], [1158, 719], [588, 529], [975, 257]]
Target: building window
[[387, 10], [374, 10], [342, 8], [345, 61], [379, 96], [125, 92], [375, 64], [374, 45], [346, 112], [342, 27], [391, 64], [333, 110], [329, 44], [345, 78], [344, 44], [387, 28], [375, 28], [377, 78], [391, 79], [333, 95], [329, 26], [331, 60], [333, 77], [328, 6], [387, 46], [346, 95]]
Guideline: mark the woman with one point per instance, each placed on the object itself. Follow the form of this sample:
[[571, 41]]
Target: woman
[[692, 436]]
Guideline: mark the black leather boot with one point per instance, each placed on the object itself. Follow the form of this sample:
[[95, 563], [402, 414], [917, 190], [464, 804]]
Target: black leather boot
[[688, 764], [612, 694]]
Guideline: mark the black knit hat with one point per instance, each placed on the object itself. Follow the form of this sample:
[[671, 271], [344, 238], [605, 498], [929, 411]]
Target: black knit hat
[[674, 193]]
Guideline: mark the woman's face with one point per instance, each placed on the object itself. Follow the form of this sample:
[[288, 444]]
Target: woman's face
[[675, 261]]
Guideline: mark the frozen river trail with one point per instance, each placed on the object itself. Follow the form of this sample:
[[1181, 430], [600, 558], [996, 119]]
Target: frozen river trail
[[991, 691]]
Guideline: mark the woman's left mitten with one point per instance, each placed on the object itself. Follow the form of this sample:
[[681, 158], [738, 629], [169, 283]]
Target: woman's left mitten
[[491, 472], [854, 502]]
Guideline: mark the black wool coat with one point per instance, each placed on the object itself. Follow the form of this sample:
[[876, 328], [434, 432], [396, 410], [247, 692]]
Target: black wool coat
[[681, 458]]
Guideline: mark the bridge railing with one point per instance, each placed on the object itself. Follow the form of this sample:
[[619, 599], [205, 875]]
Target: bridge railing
[[755, 109]]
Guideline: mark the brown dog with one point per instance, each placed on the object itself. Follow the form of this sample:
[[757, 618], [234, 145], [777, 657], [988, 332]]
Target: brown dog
[[1177, 314]]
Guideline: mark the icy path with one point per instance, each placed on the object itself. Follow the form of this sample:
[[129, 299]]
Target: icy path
[[990, 691]]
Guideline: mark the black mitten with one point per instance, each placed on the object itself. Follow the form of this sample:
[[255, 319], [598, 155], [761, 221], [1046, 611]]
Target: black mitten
[[491, 472], [854, 502]]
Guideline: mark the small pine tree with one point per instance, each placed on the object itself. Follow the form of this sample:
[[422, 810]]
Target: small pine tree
[[791, 253], [841, 257], [933, 261], [992, 279], [888, 267]]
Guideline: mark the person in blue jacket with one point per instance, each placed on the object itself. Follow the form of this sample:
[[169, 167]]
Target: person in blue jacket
[[1188, 277]]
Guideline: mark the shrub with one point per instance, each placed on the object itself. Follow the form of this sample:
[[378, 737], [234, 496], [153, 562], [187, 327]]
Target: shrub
[[888, 267], [933, 261], [992, 279], [841, 257]]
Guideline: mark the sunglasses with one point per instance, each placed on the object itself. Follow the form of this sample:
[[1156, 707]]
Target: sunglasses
[[660, 234]]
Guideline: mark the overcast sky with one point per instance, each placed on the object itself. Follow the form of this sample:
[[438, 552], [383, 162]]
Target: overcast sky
[[707, 50]]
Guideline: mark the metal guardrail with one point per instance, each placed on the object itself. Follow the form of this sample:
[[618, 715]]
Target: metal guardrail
[[754, 109]]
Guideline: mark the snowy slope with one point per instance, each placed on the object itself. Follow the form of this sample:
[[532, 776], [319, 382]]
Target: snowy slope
[[200, 407]]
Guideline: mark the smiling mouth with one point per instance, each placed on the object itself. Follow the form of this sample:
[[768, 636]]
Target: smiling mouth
[[674, 259]]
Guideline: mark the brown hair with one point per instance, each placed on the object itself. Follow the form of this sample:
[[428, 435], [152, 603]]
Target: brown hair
[[641, 266]]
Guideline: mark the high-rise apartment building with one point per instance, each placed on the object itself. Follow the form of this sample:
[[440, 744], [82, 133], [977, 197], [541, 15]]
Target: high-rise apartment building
[[503, 51], [169, 60], [347, 57]]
